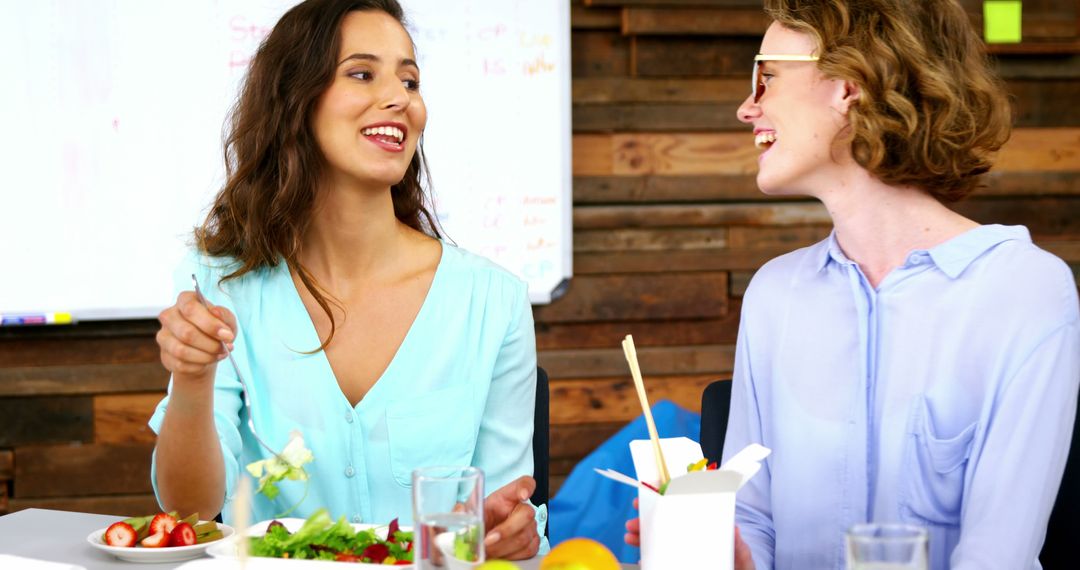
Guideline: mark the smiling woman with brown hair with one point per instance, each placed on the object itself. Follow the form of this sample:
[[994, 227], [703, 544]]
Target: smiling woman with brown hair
[[347, 315], [915, 366]]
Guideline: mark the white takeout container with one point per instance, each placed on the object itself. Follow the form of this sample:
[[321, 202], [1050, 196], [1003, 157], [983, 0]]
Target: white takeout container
[[693, 523]]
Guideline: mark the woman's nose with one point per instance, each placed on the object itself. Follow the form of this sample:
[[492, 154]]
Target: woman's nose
[[749, 110], [395, 96]]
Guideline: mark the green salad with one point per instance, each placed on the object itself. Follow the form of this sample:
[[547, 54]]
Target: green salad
[[323, 539]]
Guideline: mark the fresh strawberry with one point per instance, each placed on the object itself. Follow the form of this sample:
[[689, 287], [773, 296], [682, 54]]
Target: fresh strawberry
[[182, 535], [162, 522], [156, 540], [120, 534]]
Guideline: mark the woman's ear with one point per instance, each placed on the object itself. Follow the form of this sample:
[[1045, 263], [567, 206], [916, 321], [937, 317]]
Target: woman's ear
[[847, 93]]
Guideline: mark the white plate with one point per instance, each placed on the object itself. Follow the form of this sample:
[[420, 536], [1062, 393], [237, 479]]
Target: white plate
[[227, 548], [164, 554]]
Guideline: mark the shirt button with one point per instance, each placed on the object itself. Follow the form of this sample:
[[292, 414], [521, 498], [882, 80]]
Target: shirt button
[[356, 518], [349, 471], [348, 417]]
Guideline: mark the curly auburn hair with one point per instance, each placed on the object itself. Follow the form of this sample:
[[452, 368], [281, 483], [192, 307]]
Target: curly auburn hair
[[273, 162], [931, 111]]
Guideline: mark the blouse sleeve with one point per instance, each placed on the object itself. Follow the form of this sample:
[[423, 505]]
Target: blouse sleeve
[[1018, 466], [504, 442], [227, 392], [753, 506]]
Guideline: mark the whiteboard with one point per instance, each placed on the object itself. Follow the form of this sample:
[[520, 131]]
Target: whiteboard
[[114, 112]]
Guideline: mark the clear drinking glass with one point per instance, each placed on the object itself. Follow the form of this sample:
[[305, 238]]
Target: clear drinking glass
[[448, 510], [873, 546]]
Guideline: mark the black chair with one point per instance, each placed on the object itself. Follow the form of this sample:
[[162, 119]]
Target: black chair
[[715, 405], [1059, 550], [541, 438]]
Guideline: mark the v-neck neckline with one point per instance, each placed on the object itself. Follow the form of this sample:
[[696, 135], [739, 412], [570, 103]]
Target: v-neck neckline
[[310, 336]]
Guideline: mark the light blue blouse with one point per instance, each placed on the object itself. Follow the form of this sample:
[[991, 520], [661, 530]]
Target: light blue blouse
[[459, 391], [945, 397]]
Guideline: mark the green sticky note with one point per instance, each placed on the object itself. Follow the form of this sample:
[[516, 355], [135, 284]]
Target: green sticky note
[[1001, 21]]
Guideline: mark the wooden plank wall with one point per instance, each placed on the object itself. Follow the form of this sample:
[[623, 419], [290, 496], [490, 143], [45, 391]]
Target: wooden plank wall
[[668, 229]]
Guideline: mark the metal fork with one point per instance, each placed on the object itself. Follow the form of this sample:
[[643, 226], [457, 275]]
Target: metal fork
[[243, 385]]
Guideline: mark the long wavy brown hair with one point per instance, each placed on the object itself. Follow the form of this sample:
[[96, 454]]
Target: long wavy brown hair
[[273, 163], [931, 112]]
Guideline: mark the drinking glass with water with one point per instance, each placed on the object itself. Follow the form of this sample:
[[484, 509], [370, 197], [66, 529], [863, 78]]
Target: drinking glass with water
[[874, 546], [448, 509]]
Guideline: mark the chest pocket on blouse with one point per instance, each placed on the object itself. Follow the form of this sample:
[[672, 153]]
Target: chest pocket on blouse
[[932, 484], [436, 428]]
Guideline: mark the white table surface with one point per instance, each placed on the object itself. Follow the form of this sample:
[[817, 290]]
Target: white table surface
[[60, 536]]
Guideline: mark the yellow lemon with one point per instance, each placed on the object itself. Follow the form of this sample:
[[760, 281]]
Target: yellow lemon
[[580, 554], [498, 565]]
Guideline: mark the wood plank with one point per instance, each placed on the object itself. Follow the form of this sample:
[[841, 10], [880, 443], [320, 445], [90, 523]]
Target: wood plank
[[1019, 66], [634, 154], [1066, 250], [1067, 47], [51, 351], [716, 3], [575, 441], [1046, 103], [655, 117], [5, 507], [639, 297], [86, 329], [85, 379], [120, 419], [643, 189], [695, 21], [655, 361], [652, 261], [1042, 19], [1043, 150], [599, 53], [615, 399], [555, 482], [552, 336], [78, 470], [739, 281], [680, 215], [999, 183], [743, 187], [1037, 103], [49, 419], [1047, 218], [789, 237], [119, 505], [582, 18], [562, 466], [694, 56], [599, 90], [650, 239], [7, 464]]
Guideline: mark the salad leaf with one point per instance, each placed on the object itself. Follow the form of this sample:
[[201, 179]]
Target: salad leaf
[[288, 465], [321, 538]]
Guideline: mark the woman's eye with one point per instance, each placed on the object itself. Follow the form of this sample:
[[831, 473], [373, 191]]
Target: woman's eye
[[361, 75], [411, 84], [766, 77]]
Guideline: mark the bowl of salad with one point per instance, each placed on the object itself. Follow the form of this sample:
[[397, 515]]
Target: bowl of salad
[[323, 539]]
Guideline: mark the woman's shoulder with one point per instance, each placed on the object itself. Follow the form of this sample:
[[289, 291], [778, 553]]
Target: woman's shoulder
[[460, 264], [1035, 277], [213, 272]]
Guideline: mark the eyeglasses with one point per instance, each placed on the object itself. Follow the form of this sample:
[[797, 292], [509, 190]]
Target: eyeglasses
[[757, 85]]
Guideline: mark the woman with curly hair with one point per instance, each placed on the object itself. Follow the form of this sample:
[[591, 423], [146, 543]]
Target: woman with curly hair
[[349, 319], [915, 366]]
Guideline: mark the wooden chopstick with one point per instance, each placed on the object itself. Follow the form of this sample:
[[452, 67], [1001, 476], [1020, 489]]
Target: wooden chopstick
[[635, 371]]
